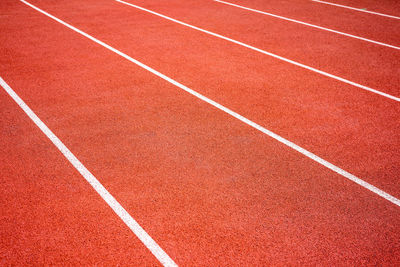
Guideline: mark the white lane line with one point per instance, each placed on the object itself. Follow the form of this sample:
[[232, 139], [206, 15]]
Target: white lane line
[[269, 54], [91, 179], [310, 25], [233, 114], [358, 9]]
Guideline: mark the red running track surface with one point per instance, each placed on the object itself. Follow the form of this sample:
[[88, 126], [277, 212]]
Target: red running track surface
[[209, 189]]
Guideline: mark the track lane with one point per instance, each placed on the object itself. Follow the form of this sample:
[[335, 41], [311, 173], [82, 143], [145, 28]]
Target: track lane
[[306, 24], [391, 8], [153, 247], [236, 205], [286, 60], [371, 66], [49, 214], [335, 123], [363, 24]]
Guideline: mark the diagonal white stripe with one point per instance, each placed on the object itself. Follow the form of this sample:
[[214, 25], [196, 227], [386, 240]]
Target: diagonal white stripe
[[232, 113], [357, 9], [91, 179], [310, 25]]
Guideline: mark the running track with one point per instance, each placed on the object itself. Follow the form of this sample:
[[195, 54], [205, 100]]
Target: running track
[[208, 188]]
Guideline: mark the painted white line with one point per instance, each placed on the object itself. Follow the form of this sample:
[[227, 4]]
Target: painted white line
[[233, 114], [91, 179], [358, 9], [268, 53], [310, 25]]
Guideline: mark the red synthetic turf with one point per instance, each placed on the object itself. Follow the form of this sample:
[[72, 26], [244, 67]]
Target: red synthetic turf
[[207, 188], [339, 122]]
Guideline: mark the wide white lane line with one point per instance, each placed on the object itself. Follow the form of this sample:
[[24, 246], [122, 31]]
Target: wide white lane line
[[91, 179], [309, 24], [268, 53], [358, 9], [233, 114]]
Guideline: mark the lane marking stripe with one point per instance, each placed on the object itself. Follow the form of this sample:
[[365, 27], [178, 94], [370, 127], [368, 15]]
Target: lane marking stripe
[[358, 9], [310, 25], [268, 53], [92, 180], [233, 114]]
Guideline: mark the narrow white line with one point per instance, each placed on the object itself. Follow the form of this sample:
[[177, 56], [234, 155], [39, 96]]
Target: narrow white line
[[91, 179], [233, 114], [358, 9], [268, 53], [310, 25]]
